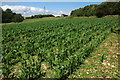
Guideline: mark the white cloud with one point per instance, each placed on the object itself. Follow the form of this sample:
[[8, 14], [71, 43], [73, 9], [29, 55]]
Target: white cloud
[[29, 11]]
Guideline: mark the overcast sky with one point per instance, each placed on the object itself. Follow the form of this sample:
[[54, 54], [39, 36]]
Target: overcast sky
[[34, 8]]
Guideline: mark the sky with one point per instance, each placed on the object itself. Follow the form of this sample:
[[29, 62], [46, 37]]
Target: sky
[[34, 8], [55, 0]]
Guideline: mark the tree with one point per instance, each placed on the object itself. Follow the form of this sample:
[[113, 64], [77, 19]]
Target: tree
[[64, 15], [8, 16], [103, 9], [86, 11], [17, 18], [40, 16], [108, 8], [100, 11]]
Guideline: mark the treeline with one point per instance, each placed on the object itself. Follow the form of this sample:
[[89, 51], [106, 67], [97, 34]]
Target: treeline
[[105, 8], [39, 16], [8, 16]]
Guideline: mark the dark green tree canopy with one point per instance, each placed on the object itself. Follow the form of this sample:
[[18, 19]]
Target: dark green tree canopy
[[40, 16], [105, 8], [8, 16]]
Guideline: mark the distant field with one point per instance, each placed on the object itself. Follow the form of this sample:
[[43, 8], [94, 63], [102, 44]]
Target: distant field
[[51, 48]]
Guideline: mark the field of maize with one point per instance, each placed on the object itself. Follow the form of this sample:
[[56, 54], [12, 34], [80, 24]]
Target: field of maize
[[51, 48]]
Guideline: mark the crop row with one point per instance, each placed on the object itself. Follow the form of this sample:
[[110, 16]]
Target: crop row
[[63, 44]]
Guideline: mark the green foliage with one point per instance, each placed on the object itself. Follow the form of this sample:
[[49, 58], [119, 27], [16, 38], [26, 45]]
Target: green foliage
[[31, 68], [17, 18], [39, 16], [6, 70], [64, 15], [105, 8], [100, 12], [102, 58], [86, 11], [116, 30], [62, 43], [8, 16]]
